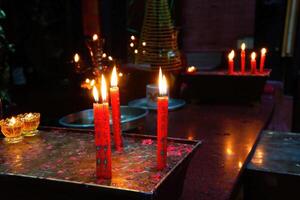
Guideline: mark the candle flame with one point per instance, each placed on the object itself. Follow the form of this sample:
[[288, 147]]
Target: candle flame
[[114, 78], [76, 58], [243, 46], [132, 37], [191, 69], [87, 80], [162, 83], [104, 55], [263, 51], [136, 51], [95, 94], [95, 37], [131, 44], [103, 88], [12, 121], [231, 55], [92, 83], [253, 56], [29, 115]]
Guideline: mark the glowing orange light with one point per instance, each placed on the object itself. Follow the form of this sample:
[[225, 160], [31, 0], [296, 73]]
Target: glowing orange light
[[190, 138], [110, 58], [231, 55], [132, 37], [12, 121], [191, 69], [76, 58], [92, 83], [253, 56], [243, 46], [120, 74], [103, 88], [95, 37], [229, 151], [87, 80], [240, 164], [131, 44], [136, 51], [114, 78], [144, 43], [104, 55], [162, 83], [95, 94], [263, 51]]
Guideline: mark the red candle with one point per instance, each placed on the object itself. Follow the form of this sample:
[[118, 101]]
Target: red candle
[[162, 122], [116, 114], [253, 63], [102, 133], [230, 62], [243, 57], [262, 59]]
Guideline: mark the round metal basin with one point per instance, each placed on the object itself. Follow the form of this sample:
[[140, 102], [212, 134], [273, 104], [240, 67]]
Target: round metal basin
[[130, 118]]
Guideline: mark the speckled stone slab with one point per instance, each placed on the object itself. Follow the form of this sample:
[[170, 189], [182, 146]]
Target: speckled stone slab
[[69, 156], [277, 152]]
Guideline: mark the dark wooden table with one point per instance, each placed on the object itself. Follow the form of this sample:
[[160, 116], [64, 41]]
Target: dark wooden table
[[228, 132]]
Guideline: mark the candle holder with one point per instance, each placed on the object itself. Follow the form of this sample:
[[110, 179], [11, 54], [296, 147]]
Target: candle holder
[[31, 122], [12, 129]]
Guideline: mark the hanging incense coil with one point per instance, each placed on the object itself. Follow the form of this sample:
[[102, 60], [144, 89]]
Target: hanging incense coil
[[160, 37]]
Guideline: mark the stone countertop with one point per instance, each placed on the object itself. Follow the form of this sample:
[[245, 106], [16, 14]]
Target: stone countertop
[[277, 152]]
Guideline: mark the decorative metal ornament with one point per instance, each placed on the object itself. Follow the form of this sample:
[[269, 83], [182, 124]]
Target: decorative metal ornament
[[158, 42]]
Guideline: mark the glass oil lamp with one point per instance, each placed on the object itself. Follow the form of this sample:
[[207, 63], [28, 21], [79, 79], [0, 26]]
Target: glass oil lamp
[[12, 129], [31, 122]]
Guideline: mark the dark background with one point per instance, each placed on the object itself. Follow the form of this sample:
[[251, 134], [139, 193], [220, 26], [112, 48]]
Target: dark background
[[47, 33]]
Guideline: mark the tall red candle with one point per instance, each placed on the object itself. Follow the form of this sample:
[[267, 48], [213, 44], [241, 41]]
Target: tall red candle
[[262, 59], [230, 63], [116, 114], [162, 122], [253, 63], [102, 134], [243, 58]]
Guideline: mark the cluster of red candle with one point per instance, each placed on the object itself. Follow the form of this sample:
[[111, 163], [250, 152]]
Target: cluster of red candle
[[243, 61], [102, 126]]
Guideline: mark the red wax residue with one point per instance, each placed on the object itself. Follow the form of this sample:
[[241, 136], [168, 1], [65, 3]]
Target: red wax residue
[[147, 142], [116, 115], [162, 131]]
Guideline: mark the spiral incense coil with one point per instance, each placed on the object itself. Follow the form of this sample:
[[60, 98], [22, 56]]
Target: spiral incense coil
[[160, 37]]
